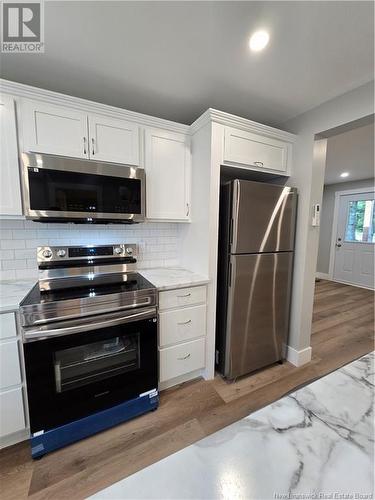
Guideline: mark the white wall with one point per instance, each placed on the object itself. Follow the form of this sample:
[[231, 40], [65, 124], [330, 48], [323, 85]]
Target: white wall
[[158, 243], [308, 177], [328, 206]]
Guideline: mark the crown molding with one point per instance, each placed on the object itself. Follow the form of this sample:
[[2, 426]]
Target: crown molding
[[211, 115], [216, 116], [27, 91]]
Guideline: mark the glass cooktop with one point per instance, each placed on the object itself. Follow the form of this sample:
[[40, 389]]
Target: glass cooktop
[[134, 282]]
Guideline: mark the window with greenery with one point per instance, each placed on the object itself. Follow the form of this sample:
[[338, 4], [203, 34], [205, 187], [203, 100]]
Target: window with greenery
[[360, 224]]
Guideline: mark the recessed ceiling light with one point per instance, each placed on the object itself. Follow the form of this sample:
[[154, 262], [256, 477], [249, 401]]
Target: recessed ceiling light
[[259, 40], [344, 174]]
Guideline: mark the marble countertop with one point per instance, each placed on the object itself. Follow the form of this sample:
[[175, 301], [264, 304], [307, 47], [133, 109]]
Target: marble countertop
[[171, 278], [12, 292], [317, 442]]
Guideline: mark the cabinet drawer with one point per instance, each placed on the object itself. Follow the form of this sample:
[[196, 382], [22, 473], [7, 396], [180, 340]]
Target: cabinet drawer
[[182, 324], [10, 373], [182, 297], [255, 150], [181, 359], [11, 412], [7, 325]]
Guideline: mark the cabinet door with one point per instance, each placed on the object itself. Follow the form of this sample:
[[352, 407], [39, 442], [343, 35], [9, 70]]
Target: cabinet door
[[113, 140], [10, 192], [257, 151], [54, 129], [10, 373], [167, 165], [12, 413]]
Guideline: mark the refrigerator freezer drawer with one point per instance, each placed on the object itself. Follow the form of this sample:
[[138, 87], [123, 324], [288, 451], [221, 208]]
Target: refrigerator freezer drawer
[[258, 311]]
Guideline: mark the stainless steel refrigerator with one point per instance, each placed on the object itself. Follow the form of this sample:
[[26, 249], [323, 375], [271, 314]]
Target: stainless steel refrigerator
[[256, 245]]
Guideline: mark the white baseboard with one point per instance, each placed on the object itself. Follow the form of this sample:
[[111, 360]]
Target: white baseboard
[[180, 379], [298, 358], [322, 276], [17, 437]]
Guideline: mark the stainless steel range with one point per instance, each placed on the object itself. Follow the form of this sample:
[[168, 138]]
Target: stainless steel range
[[90, 341]]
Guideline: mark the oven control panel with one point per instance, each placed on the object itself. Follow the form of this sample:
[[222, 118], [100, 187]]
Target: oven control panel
[[89, 252]]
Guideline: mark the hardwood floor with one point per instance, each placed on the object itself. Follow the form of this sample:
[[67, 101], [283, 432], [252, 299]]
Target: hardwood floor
[[343, 330]]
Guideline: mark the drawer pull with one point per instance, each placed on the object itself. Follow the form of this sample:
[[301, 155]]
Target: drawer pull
[[185, 357], [185, 322], [182, 296]]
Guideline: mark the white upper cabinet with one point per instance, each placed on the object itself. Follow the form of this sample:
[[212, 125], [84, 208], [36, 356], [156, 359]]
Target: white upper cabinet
[[168, 171], [113, 140], [256, 151], [64, 131], [54, 129], [10, 193]]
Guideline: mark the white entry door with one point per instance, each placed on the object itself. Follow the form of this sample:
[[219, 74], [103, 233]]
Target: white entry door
[[355, 238]]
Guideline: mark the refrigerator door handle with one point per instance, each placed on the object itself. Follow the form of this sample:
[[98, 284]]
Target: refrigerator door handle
[[230, 275], [231, 232]]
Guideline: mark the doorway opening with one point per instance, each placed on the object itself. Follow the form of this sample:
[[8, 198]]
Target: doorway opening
[[347, 222], [343, 314]]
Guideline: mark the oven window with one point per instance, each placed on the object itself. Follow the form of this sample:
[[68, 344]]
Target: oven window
[[63, 191], [85, 364]]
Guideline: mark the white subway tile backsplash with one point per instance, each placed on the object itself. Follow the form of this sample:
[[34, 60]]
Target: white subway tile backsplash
[[11, 244], [9, 254], [27, 273], [13, 264], [12, 224], [8, 275], [158, 243]]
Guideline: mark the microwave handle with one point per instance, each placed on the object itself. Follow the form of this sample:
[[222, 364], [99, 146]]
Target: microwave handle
[[40, 333]]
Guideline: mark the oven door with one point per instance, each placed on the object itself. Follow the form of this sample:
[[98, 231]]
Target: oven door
[[81, 190], [74, 371]]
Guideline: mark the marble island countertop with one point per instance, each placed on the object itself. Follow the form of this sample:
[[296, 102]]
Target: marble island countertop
[[165, 278], [12, 292], [317, 442]]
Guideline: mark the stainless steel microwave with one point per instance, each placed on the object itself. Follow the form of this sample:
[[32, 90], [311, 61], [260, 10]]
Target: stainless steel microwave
[[59, 189]]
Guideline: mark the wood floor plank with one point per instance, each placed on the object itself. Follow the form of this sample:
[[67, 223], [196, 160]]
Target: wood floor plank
[[123, 464], [343, 330], [176, 406]]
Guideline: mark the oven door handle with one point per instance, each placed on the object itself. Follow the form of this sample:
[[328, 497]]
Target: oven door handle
[[43, 333]]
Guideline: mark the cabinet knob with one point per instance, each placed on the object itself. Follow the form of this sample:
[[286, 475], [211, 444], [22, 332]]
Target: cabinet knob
[[258, 163]]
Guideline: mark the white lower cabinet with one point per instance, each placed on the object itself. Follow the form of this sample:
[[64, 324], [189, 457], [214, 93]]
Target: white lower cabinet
[[181, 359], [12, 413], [13, 422], [182, 325], [182, 297], [10, 373], [182, 334]]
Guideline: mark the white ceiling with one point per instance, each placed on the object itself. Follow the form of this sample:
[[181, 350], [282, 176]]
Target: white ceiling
[[352, 152], [176, 59]]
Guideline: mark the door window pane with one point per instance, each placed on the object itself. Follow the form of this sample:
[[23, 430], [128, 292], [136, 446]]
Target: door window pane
[[360, 224]]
